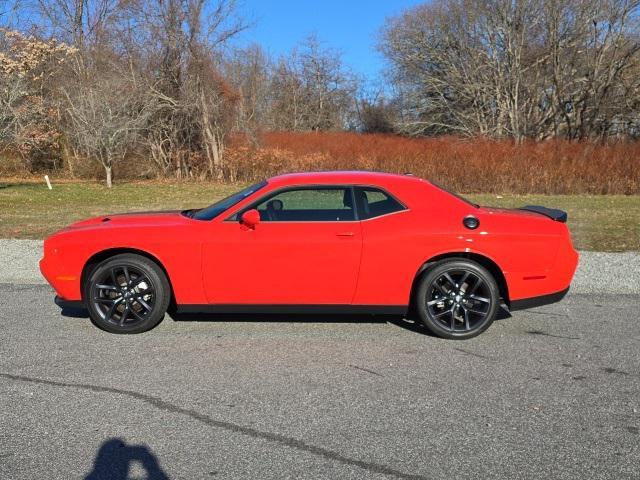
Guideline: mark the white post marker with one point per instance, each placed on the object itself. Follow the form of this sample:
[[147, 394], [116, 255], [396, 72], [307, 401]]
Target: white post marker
[[46, 178]]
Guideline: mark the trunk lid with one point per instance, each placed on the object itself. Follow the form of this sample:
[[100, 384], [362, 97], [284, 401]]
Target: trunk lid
[[552, 213], [530, 211]]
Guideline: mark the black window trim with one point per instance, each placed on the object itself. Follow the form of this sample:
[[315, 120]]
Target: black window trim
[[376, 187], [235, 217]]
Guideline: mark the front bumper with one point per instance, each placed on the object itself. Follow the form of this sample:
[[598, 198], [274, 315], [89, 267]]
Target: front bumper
[[57, 274]]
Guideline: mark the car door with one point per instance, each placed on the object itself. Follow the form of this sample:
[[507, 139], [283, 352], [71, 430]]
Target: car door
[[305, 250], [388, 264]]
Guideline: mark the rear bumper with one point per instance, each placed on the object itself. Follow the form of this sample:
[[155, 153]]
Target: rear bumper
[[538, 301], [62, 303], [542, 281]]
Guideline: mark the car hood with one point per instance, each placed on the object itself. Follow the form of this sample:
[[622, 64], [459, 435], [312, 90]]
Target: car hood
[[135, 218]]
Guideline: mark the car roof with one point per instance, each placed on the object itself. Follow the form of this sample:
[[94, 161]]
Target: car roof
[[343, 177]]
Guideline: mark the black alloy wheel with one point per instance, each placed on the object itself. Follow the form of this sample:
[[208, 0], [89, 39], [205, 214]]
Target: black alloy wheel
[[127, 294], [457, 299]]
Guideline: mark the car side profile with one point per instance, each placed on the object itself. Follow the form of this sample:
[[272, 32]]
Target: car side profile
[[329, 242]]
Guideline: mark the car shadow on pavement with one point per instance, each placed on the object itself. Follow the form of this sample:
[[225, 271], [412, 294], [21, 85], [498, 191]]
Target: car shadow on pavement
[[115, 459], [279, 317], [409, 322], [413, 323], [73, 312]]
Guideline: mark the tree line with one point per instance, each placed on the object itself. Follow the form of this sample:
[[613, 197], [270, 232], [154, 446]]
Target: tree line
[[517, 68], [163, 81]]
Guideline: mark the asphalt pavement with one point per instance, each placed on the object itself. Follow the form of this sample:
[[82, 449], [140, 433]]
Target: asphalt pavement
[[553, 392]]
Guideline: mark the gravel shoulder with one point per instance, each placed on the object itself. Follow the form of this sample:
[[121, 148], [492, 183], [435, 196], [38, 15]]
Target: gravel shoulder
[[598, 272], [19, 263]]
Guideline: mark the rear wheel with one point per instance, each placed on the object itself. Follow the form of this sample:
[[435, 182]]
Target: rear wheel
[[127, 293], [457, 299]]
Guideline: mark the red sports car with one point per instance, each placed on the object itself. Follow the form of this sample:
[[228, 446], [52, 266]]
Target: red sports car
[[327, 242]]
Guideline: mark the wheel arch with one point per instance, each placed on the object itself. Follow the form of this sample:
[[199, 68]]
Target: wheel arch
[[479, 258], [103, 255]]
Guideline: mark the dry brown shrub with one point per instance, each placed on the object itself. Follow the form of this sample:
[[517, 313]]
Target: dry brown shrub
[[476, 165]]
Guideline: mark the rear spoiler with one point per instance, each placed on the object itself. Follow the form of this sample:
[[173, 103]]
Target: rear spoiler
[[552, 213]]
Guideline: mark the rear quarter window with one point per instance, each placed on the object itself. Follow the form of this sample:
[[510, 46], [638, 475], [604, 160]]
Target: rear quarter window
[[374, 202]]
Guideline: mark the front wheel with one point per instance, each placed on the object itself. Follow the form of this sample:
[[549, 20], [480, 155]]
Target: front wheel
[[127, 293], [457, 299]]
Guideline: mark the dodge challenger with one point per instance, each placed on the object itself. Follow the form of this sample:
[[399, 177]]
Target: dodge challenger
[[330, 242]]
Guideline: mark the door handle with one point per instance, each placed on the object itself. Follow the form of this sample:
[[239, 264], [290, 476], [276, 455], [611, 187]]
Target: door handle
[[345, 234]]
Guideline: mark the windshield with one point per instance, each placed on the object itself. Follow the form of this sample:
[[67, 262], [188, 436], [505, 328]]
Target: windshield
[[217, 208]]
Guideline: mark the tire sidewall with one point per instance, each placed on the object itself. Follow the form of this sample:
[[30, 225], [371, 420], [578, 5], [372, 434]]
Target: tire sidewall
[[434, 272], [155, 274]]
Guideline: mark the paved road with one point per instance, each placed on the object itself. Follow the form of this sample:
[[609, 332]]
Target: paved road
[[549, 393]]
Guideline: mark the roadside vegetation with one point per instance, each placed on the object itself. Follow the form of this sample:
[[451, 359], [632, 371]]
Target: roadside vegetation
[[30, 210], [478, 165], [487, 96]]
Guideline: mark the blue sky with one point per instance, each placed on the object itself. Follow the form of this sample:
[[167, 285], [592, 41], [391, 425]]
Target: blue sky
[[350, 26]]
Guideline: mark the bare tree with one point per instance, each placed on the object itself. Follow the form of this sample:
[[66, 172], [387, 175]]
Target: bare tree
[[376, 114], [9, 11], [183, 40], [312, 89], [594, 44], [105, 120], [28, 66], [514, 69], [78, 21], [249, 71]]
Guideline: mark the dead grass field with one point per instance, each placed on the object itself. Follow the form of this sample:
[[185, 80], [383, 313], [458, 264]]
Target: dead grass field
[[29, 210]]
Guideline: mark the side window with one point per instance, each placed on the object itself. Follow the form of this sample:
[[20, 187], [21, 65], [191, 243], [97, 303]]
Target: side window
[[373, 202], [308, 205]]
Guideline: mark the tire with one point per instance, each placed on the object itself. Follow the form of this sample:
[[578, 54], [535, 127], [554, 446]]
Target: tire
[[127, 294], [457, 299]]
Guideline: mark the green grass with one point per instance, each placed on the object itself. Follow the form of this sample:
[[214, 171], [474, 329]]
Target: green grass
[[30, 210], [607, 223]]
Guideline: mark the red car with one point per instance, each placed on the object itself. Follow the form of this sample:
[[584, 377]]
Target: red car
[[328, 242]]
